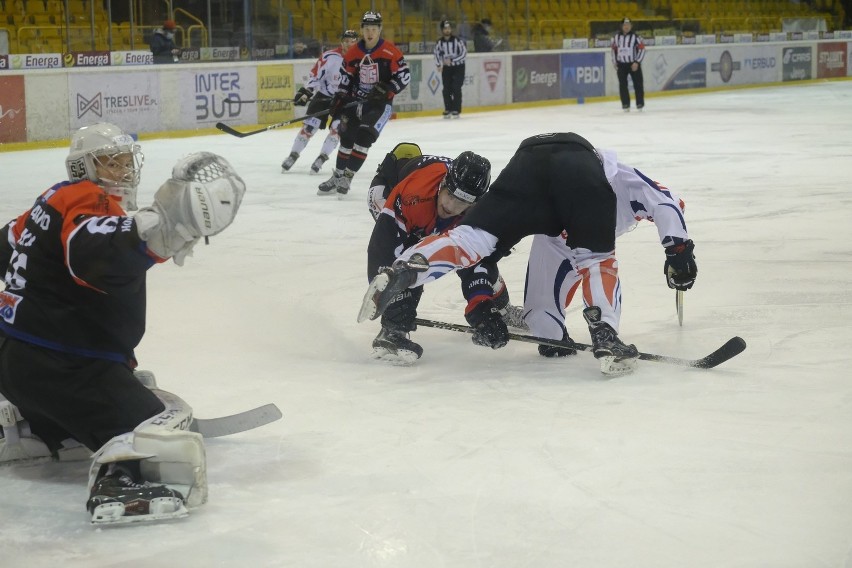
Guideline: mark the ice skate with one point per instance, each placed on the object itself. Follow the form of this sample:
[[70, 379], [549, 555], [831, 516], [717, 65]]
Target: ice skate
[[117, 499], [553, 351], [513, 316], [388, 283], [616, 358], [395, 347], [329, 186], [344, 183], [455, 114], [317, 165], [446, 114], [288, 163]]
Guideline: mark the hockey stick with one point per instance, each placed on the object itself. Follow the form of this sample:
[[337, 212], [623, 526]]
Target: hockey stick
[[730, 349], [679, 306], [234, 132], [252, 101], [235, 423]]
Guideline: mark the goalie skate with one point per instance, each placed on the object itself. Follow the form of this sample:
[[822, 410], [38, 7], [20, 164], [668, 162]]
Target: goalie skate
[[119, 500]]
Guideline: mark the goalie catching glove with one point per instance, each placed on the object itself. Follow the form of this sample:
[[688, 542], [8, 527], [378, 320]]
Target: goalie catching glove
[[680, 268], [200, 200]]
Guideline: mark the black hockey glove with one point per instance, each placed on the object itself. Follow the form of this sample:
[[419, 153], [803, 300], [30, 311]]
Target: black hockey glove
[[379, 93], [302, 97], [680, 268], [489, 329], [400, 313], [338, 101]]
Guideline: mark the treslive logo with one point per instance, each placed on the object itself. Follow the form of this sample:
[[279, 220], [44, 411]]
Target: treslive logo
[[93, 105], [100, 104]]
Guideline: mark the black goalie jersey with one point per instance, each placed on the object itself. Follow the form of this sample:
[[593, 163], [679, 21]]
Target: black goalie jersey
[[75, 275]]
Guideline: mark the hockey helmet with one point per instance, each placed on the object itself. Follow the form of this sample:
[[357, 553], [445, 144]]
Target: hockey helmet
[[371, 18], [446, 24], [104, 154], [349, 34], [469, 177]]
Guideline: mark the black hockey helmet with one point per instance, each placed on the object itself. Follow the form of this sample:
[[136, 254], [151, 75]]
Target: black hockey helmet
[[349, 34], [469, 177], [446, 24], [371, 18]]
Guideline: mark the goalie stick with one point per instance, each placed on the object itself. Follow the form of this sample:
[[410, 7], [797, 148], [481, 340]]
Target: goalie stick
[[730, 349], [15, 448], [236, 423], [234, 132]]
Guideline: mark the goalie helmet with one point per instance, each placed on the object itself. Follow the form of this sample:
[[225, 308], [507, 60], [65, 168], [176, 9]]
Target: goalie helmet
[[107, 156], [469, 177], [371, 19]]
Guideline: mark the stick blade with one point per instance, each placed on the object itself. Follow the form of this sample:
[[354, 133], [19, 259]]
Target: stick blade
[[729, 350], [229, 130], [236, 423]]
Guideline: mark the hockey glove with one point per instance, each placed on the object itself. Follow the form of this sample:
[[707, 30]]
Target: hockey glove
[[488, 326], [302, 97], [379, 93], [680, 268], [338, 102]]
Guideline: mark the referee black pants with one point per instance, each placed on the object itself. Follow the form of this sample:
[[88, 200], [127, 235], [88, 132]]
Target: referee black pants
[[623, 70], [453, 79]]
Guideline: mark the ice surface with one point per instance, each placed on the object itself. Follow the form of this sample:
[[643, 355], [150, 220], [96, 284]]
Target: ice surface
[[473, 457]]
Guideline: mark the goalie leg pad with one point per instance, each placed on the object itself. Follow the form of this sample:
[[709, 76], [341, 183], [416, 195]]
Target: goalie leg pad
[[167, 452], [18, 444]]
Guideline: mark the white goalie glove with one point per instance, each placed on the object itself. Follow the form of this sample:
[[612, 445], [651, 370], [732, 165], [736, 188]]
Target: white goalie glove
[[200, 200]]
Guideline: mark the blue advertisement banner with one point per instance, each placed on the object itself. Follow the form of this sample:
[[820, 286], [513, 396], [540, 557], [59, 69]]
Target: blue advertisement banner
[[583, 75]]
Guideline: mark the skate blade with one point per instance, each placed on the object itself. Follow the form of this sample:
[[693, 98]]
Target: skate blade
[[612, 367], [321, 192], [370, 304], [400, 357], [160, 509]]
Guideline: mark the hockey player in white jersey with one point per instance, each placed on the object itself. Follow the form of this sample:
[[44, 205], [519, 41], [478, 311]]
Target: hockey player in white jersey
[[552, 275], [317, 94]]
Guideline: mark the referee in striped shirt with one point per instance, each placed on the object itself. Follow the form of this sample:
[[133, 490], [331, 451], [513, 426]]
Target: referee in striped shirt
[[450, 53], [628, 51]]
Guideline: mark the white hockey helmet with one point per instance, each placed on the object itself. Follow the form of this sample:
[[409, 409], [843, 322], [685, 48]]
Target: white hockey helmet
[[104, 154]]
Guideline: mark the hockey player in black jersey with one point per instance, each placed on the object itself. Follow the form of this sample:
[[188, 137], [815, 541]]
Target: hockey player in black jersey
[[73, 311], [554, 183]]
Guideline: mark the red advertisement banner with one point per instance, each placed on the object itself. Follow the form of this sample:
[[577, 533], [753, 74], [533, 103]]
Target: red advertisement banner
[[13, 115]]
